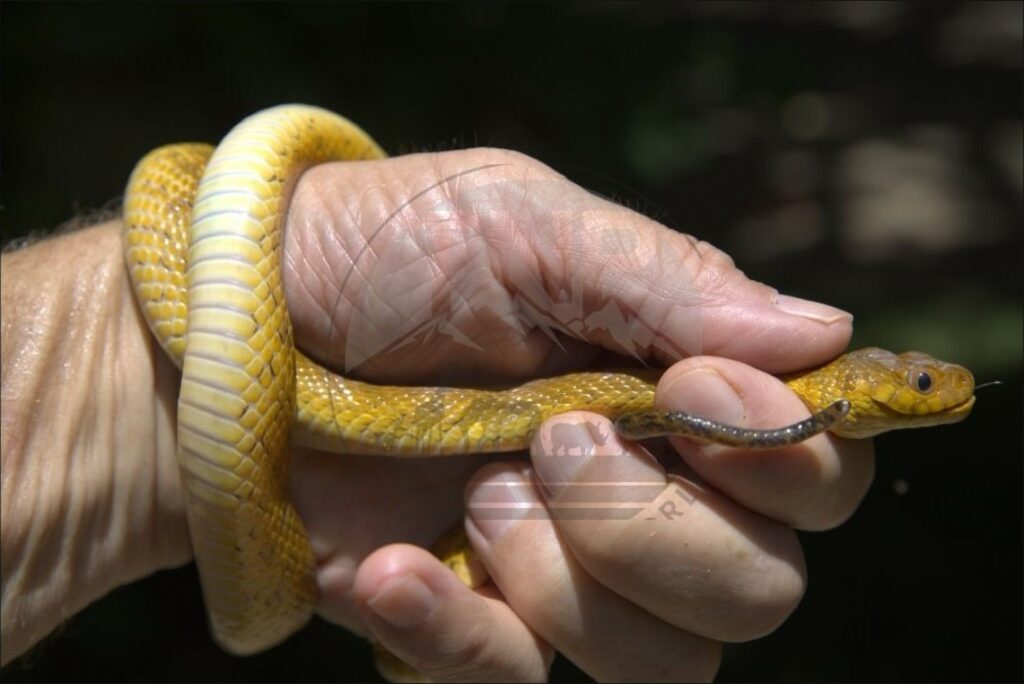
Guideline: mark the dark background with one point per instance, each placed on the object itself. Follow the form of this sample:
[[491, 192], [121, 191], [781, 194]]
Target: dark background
[[864, 154]]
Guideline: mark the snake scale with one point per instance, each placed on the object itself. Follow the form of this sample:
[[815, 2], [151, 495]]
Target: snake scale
[[203, 241]]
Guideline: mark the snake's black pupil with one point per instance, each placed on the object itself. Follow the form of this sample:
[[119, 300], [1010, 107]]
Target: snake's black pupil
[[924, 382]]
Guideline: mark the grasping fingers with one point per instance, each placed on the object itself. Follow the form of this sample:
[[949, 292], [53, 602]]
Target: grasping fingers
[[813, 485]]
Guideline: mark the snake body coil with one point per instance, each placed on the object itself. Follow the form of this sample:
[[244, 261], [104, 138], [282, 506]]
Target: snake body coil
[[204, 256]]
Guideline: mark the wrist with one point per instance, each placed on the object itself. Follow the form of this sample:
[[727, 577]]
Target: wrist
[[90, 492]]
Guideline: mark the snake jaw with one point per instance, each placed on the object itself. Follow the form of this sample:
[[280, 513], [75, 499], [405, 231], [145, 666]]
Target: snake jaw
[[862, 422], [889, 391], [956, 413]]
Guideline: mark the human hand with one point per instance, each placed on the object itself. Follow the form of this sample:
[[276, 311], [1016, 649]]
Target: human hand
[[90, 481], [473, 281]]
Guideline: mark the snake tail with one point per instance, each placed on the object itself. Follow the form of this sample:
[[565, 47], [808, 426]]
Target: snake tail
[[664, 423]]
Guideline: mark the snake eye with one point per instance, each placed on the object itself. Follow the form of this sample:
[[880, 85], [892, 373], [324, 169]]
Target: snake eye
[[921, 381]]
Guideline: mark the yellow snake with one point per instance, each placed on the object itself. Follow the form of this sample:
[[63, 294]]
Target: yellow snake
[[203, 240]]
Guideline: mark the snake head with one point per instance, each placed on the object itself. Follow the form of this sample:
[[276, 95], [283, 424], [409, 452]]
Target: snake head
[[889, 391]]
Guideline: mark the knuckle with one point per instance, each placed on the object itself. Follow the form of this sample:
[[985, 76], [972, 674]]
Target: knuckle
[[834, 500], [764, 603], [469, 656], [512, 158], [711, 269], [607, 549], [700, 665], [705, 667]]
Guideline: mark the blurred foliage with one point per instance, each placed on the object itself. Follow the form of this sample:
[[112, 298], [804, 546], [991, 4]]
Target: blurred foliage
[[864, 154]]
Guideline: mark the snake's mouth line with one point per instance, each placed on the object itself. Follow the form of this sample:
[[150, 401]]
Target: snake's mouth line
[[956, 411], [963, 407]]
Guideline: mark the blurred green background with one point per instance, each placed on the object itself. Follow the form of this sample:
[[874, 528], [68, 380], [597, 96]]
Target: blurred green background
[[864, 154]]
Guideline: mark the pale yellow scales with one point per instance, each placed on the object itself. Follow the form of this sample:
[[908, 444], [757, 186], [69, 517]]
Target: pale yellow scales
[[203, 239]]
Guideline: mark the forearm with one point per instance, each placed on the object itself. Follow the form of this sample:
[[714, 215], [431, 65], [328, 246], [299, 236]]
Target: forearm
[[90, 496]]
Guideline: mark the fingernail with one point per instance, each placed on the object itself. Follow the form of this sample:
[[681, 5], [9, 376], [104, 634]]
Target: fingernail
[[497, 503], [403, 601], [705, 393], [816, 311], [566, 446]]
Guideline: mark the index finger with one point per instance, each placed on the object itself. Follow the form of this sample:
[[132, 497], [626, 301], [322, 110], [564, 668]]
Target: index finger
[[813, 485]]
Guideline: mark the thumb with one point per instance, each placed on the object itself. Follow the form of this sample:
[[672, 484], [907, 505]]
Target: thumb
[[524, 258], [652, 292]]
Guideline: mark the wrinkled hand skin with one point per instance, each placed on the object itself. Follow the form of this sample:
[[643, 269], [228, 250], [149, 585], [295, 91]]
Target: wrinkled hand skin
[[493, 253], [90, 497]]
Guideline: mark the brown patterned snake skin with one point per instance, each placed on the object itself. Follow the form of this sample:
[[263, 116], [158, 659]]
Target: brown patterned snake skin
[[203, 239]]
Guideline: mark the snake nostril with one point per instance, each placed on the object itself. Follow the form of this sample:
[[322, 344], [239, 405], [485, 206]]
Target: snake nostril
[[964, 379]]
